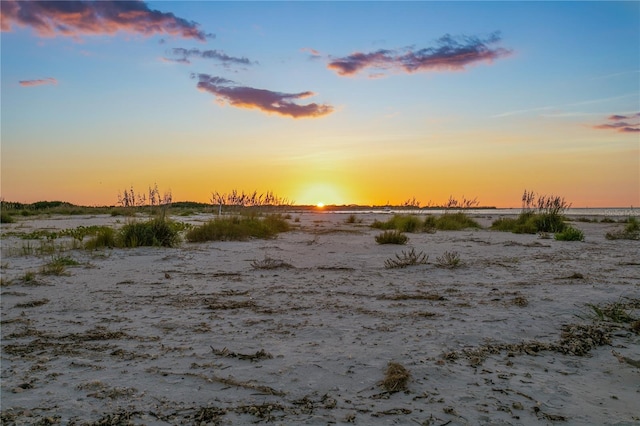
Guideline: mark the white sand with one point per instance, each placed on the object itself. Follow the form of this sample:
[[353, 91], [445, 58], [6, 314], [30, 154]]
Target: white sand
[[161, 336]]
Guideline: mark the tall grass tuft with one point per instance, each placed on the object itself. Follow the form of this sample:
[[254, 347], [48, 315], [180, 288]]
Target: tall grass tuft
[[455, 222], [6, 218], [631, 231], [155, 232], [391, 237], [570, 234], [237, 228], [104, 237], [540, 213]]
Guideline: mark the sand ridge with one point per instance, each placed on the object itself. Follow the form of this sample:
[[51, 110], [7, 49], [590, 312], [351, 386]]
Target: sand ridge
[[199, 334]]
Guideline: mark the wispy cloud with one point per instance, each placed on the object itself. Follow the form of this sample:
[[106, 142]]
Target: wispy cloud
[[81, 18], [622, 123], [184, 55], [573, 104], [264, 100], [38, 82], [449, 54]]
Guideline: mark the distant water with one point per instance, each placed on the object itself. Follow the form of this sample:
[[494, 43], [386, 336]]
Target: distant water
[[616, 212]]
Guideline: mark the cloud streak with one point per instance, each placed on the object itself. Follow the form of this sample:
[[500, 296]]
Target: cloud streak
[[265, 100], [449, 54], [184, 55], [621, 123], [38, 82], [82, 18]]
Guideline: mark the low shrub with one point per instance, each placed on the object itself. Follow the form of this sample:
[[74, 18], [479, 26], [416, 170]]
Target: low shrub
[[155, 232], [403, 223], [396, 378], [631, 231], [6, 218], [455, 222], [237, 228], [391, 237], [406, 259], [449, 259], [530, 223], [104, 237], [570, 234]]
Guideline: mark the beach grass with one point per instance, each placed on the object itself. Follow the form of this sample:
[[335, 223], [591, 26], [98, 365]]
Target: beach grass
[[238, 228], [391, 237]]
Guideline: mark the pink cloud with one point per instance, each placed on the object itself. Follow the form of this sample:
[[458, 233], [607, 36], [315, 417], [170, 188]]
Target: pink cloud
[[264, 100], [38, 82], [450, 54], [79, 18], [620, 125]]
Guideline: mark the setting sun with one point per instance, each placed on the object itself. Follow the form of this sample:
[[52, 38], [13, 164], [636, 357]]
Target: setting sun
[[320, 205]]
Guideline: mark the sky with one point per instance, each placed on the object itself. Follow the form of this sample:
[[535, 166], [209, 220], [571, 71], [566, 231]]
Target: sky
[[364, 103]]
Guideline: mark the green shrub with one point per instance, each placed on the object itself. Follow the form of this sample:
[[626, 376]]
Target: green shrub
[[391, 237], [6, 218], [430, 224], [155, 232], [237, 228], [455, 222], [570, 234], [530, 223], [403, 223], [631, 231], [104, 237]]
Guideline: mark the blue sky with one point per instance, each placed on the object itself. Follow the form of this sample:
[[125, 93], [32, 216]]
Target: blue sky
[[483, 99]]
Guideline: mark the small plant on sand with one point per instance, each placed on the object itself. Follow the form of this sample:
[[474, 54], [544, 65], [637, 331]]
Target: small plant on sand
[[270, 263], [396, 378], [449, 259], [631, 231], [402, 223], [617, 312], [29, 277], [6, 218], [237, 228], [58, 265], [406, 258], [158, 231], [455, 222], [391, 237], [104, 237], [352, 218], [540, 213], [570, 234]]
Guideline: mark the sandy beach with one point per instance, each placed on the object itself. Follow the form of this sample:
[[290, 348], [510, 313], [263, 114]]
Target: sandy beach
[[201, 334]]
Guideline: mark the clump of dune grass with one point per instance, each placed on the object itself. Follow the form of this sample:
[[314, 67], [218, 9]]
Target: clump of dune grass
[[402, 223], [104, 237], [631, 231], [6, 217], [238, 228], [396, 378], [270, 263], [155, 232], [570, 234], [449, 259], [540, 213], [455, 222], [406, 258], [58, 265], [391, 237], [617, 312], [352, 218]]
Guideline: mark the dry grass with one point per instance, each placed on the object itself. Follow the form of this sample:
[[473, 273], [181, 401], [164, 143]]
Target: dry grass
[[395, 378]]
